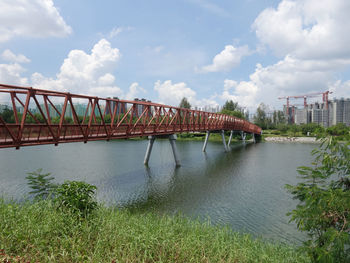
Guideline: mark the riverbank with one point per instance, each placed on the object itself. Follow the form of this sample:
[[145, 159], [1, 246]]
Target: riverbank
[[198, 136], [291, 139], [38, 232]]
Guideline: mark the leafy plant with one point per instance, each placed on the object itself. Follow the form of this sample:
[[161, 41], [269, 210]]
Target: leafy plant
[[324, 203], [76, 196], [184, 103], [41, 184]]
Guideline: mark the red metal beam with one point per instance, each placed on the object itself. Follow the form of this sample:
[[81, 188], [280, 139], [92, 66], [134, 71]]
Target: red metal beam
[[126, 119]]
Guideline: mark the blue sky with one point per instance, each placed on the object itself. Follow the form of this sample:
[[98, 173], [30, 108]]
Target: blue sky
[[250, 51]]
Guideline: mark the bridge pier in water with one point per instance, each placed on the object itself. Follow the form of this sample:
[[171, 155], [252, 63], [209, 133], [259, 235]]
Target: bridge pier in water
[[151, 140], [222, 132], [224, 140], [243, 134], [172, 139], [255, 138], [230, 139], [206, 141]]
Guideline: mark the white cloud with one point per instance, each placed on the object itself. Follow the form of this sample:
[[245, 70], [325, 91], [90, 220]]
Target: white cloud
[[34, 18], [340, 89], [215, 9], [117, 30], [227, 59], [12, 74], [289, 76], [306, 29], [11, 57], [134, 91], [172, 94], [80, 73], [85, 73], [243, 92], [312, 39]]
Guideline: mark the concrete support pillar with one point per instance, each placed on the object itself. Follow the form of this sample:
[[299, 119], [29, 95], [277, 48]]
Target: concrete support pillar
[[230, 139], [253, 135], [172, 139], [206, 140], [243, 134], [223, 139], [149, 149]]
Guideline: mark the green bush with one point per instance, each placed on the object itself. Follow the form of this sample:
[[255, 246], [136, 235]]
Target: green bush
[[41, 184], [294, 129], [324, 203], [76, 196], [282, 127], [339, 129], [235, 113], [309, 128]]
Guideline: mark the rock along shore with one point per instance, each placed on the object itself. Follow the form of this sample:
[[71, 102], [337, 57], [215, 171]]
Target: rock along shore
[[292, 139]]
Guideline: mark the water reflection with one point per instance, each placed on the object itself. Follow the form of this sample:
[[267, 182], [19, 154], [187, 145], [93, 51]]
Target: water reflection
[[243, 188]]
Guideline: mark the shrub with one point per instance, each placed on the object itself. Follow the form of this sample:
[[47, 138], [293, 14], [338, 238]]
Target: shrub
[[41, 184], [76, 196], [282, 127], [309, 128], [339, 129], [294, 129], [324, 203]]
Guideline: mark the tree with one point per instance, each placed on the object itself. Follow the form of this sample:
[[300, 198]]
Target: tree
[[278, 117], [261, 119], [231, 106], [339, 129], [7, 115], [235, 113], [233, 109], [324, 203], [184, 103]]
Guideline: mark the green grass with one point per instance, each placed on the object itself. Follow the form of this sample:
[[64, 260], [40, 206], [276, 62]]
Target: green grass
[[38, 232], [214, 137]]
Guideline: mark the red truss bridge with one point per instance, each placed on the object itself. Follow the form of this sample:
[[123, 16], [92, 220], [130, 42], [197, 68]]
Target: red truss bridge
[[37, 117]]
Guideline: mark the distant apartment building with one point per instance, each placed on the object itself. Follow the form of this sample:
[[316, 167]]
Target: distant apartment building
[[338, 111], [301, 116]]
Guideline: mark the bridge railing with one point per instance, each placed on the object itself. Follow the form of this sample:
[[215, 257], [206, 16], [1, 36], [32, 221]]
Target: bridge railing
[[36, 116]]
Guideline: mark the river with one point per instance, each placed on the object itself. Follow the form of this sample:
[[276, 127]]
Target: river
[[243, 189]]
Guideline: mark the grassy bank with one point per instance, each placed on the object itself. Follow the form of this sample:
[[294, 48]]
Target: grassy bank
[[214, 137], [38, 232]]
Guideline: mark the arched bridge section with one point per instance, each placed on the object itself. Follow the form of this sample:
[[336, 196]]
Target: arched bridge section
[[36, 117]]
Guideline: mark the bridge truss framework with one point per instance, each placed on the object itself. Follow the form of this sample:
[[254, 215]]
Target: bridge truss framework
[[40, 117]]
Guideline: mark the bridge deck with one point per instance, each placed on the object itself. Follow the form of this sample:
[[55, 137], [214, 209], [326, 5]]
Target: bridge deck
[[36, 117]]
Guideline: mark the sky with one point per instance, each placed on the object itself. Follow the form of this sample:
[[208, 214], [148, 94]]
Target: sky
[[248, 51]]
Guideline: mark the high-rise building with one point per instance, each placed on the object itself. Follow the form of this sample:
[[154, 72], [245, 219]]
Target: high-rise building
[[301, 116], [338, 111]]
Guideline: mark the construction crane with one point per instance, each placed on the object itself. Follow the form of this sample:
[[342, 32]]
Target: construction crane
[[305, 96]]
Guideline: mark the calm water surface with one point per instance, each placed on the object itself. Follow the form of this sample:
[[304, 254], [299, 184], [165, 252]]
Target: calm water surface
[[243, 189]]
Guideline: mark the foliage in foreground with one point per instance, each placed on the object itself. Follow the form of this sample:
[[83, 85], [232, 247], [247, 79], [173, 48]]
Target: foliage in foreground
[[39, 232], [76, 196], [41, 184], [324, 208]]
